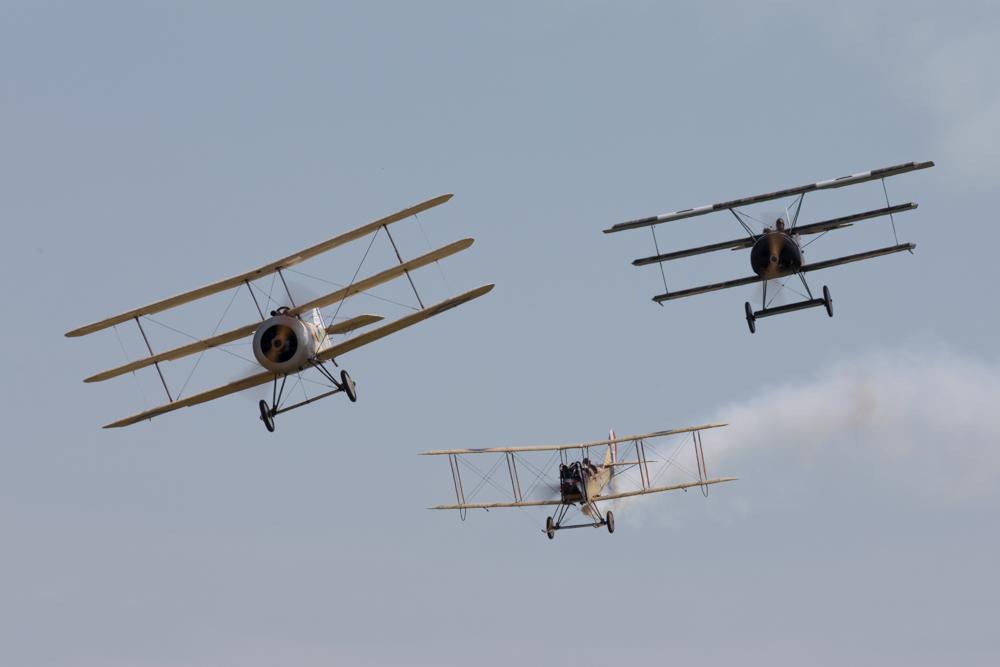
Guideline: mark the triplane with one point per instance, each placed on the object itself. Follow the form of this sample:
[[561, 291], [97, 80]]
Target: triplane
[[776, 252], [293, 339], [581, 483]]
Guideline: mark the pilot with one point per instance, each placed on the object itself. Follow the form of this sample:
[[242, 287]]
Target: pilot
[[779, 225]]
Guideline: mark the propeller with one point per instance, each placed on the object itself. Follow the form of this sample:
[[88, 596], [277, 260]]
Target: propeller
[[279, 343]]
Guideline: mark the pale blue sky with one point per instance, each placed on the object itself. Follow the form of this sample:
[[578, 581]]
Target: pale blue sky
[[147, 150]]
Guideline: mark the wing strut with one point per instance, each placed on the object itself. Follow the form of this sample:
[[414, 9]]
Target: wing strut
[[456, 478], [399, 257], [155, 363]]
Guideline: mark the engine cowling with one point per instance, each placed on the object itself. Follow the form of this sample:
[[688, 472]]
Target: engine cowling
[[284, 344]]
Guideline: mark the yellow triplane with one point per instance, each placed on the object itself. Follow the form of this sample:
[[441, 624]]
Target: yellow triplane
[[293, 339]]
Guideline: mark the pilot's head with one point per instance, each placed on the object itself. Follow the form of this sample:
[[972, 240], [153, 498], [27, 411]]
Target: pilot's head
[[779, 224]]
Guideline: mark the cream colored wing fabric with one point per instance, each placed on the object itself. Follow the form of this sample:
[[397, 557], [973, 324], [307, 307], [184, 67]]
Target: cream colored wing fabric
[[267, 269], [545, 448], [658, 489]]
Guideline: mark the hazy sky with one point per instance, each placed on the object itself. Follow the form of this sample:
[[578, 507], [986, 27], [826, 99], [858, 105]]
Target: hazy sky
[[146, 150]]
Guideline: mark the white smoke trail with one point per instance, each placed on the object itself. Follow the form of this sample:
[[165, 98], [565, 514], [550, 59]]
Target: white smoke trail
[[925, 419]]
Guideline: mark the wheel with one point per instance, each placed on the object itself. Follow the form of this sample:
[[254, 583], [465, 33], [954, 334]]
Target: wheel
[[266, 417], [610, 520], [348, 384], [827, 301], [549, 529], [750, 317]]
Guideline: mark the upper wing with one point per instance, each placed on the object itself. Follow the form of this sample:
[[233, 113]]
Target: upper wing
[[658, 489], [321, 302], [814, 228], [267, 269], [329, 353], [746, 201], [501, 450]]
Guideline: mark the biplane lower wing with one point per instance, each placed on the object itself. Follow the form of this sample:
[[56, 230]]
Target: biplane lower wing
[[320, 302], [745, 242], [489, 506], [826, 264], [326, 355], [549, 448], [265, 270], [643, 492]]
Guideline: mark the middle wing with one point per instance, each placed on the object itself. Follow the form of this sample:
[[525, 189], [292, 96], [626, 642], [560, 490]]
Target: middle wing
[[584, 445], [336, 350], [745, 242], [320, 302]]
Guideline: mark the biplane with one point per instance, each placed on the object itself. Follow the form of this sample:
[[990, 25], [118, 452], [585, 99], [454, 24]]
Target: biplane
[[294, 338], [581, 483], [776, 251]]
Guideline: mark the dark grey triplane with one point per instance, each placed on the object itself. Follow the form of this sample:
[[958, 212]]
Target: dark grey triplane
[[776, 251]]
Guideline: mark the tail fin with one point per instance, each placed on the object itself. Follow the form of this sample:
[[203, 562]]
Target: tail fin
[[316, 317], [612, 455]]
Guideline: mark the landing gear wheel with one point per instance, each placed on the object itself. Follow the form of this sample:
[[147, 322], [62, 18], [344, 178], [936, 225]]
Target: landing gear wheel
[[750, 318], [549, 529], [610, 520], [348, 384], [827, 301], [266, 417]]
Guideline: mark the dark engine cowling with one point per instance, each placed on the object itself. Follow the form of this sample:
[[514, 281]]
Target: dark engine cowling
[[775, 254], [284, 344]]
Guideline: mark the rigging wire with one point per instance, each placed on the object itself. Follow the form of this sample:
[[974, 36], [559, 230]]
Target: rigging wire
[[141, 392], [214, 331]]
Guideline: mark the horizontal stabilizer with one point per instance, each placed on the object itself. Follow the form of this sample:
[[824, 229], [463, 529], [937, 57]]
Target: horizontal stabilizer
[[268, 269], [352, 324], [875, 174], [547, 448], [746, 242]]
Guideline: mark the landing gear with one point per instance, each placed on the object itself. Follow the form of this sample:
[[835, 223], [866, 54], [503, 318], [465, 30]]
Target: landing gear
[[750, 318], [550, 528], [347, 384], [827, 301], [610, 521], [266, 416]]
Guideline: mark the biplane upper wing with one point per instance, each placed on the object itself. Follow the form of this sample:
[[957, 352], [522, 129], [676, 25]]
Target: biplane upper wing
[[746, 242], [329, 353], [875, 174], [267, 269], [826, 264], [320, 302], [658, 489], [545, 448]]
